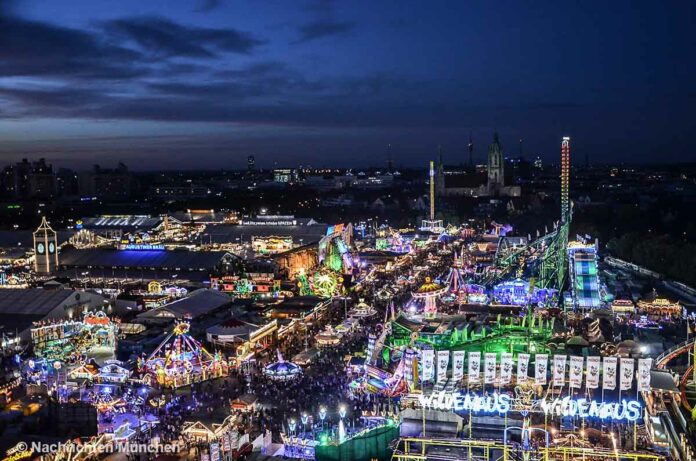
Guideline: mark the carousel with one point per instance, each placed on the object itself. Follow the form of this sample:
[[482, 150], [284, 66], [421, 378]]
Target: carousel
[[455, 281], [426, 297], [659, 307], [362, 310], [282, 370], [623, 307], [327, 338], [181, 360]]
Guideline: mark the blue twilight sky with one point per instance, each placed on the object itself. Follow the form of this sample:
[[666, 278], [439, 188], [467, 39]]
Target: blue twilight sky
[[204, 83]]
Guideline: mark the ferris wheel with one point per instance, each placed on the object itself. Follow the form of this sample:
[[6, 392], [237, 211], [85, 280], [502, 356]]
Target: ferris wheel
[[325, 284]]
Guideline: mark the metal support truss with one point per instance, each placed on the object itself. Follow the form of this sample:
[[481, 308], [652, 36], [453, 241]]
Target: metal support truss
[[422, 449]]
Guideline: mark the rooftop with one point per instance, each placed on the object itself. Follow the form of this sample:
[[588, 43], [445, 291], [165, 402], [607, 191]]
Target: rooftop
[[226, 233], [126, 222], [196, 304], [156, 259], [31, 301]]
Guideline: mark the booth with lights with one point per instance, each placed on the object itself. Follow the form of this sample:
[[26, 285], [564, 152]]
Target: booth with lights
[[253, 285], [71, 340], [180, 360], [518, 293]]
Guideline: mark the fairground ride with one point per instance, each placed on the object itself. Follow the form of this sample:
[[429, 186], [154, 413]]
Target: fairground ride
[[334, 249], [394, 356], [180, 360], [545, 259]]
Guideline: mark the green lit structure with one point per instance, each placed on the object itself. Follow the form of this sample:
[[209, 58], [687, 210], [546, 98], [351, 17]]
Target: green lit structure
[[546, 258], [370, 444], [511, 335], [305, 288]]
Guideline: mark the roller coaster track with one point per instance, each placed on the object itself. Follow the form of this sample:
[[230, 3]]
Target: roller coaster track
[[667, 356], [670, 354], [549, 249]]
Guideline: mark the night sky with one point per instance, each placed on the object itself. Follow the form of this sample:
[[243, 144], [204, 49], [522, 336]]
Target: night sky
[[203, 83]]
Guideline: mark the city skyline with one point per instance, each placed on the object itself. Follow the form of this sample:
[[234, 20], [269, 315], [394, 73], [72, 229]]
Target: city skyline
[[203, 84]]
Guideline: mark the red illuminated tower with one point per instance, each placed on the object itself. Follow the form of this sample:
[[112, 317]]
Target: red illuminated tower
[[565, 179]]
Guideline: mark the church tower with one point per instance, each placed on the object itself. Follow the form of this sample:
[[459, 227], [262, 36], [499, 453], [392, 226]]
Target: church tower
[[45, 249], [496, 170]]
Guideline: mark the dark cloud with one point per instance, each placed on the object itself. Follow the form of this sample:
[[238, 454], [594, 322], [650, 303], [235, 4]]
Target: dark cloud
[[320, 29], [208, 5], [258, 69], [187, 90], [62, 96], [320, 6], [30, 48], [251, 90], [269, 101], [164, 38]]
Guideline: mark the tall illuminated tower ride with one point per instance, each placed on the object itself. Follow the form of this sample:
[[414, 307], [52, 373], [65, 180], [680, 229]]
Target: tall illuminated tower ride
[[431, 224], [431, 179], [554, 259], [565, 179]]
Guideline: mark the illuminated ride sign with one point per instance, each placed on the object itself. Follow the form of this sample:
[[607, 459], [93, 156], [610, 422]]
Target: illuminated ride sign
[[628, 410], [495, 403], [460, 401], [141, 246]]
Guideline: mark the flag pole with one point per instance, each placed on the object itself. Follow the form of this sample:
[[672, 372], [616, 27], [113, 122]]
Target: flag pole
[[468, 384], [423, 394], [635, 430]]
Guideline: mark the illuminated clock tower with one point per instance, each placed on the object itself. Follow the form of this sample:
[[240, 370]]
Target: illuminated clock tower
[[45, 248]]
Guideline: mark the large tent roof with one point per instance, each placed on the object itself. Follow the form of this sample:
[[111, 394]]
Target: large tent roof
[[156, 259]]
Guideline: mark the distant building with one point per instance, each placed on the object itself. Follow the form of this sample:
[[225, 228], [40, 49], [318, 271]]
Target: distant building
[[180, 192], [29, 179], [360, 180], [251, 163], [464, 182], [377, 181], [66, 182], [207, 217], [496, 167], [285, 175], [107, 184], [323, 182], [341, 200]]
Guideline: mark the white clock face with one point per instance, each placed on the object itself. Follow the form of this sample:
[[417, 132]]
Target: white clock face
[[51, 248], [40, 248]]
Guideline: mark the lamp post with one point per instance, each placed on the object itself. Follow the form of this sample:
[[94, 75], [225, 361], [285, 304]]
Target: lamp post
[[342, 411], [304, 418], [292, 424], [322, 416]]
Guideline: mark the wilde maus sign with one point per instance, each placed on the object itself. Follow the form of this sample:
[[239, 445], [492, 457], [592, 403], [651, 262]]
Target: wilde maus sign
[[495, 403]]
